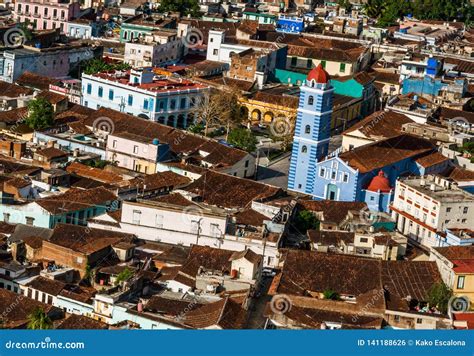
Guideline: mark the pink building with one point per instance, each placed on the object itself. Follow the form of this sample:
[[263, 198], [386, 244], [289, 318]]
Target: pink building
[[47, 14]]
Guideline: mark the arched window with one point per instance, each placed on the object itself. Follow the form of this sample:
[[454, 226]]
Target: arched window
[[304, 149], [307, 129], [310, 100]]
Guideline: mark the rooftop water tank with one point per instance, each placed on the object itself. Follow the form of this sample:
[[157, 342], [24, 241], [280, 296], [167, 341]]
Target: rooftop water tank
[[156, 142]]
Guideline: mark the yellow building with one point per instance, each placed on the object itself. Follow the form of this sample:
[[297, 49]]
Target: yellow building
[[463, 271], [282, 102]]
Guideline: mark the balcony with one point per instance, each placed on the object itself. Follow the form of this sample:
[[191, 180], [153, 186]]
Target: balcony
[[36, 14], [47, 16]]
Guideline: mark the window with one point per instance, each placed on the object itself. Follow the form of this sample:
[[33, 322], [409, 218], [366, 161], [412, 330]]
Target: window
[[135, 149], [294, 61], [136, 217], [111, 94], [465, 210], [114, 143], [304, 149], [345, 177], [89, 88], [342, 67], [173, 104], [333, 175], [183, 103], [145, 104], [309, 63], [323, 64], [29, 220], [364, 239], [130, 100], [101, 92], [310, 100], [448, 210], [6, 217], [215, 230], [419, 320], [307, 129], [322, 172], [460, 284], [246, 163], [215, 52]]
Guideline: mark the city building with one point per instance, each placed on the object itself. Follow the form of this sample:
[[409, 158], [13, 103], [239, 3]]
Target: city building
[[141, 93], [425, 207], [47, 14]]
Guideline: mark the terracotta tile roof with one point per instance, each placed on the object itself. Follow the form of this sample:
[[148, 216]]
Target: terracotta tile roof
[[224, 313], [463, 266], [18, 317], [170, 307], [160, 180], [330, 237], [79, 293], [181, 142], [76, 199], [53, 98], [413, 279], [230, 192], [94, 173], [333, 211], [174, 199], [381, 124], [13, 116], [33, 241], [52, 152], [283, 100], [327, 54], [6, 228], [386, 77], [85, 240], [13, 91], [250, 217], [34, 80], [387, 152], [46, 285], [447, 113], [458, 174], [457, 252], [210, 258], [431, 159], [78, 322], [344, 274], [248, 254]]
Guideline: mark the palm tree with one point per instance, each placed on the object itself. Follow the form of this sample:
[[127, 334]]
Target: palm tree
[[39, 320]]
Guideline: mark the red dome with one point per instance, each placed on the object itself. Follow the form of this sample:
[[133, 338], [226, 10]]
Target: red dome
[[380, 182], [319, 75]]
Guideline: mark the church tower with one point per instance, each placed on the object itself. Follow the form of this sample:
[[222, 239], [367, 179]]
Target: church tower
[[312, 130]]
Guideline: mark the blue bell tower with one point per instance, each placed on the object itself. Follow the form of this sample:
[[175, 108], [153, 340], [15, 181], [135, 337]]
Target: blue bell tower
[[312, 130]]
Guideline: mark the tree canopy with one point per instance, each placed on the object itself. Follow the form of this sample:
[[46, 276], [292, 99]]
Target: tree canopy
[[243, 138], [184, 7], [97, 65], [439, 296], [387, 12], [40, 114]]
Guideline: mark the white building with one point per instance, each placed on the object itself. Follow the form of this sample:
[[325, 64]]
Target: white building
[[141, 93], [425, 207], [158, 49], [180, 221]]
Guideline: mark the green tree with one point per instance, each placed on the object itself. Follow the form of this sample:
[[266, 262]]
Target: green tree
[[305, 220], [39, 320], [439, 295], [123, 276], [330, 294], [184, 7], [197, 129], [346, 4], [40, 114], [243, 138], [374, 8], [96, 65]]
